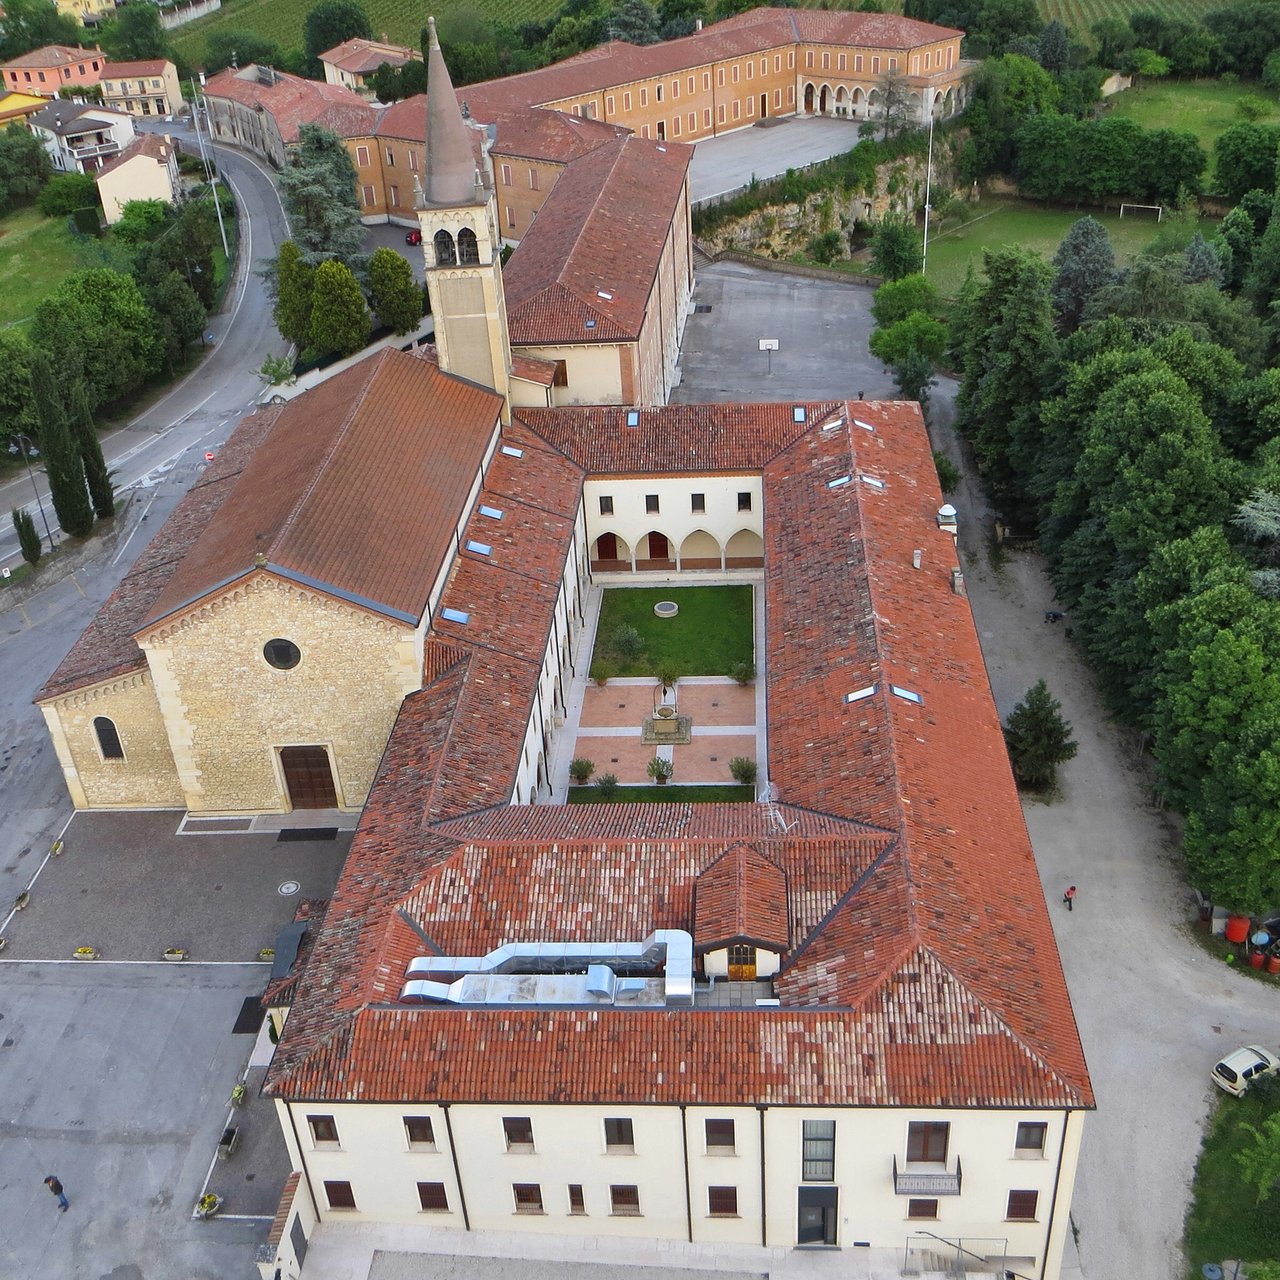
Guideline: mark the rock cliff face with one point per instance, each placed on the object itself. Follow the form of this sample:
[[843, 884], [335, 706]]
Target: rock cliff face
[[779, 231]]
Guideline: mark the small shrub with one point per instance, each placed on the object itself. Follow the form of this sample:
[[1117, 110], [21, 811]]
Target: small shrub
[[660, 770], [744, 770], [581, 769], [667, 676], [743, 672], [626, 642], [608, 784], [28, 538], [602, 672], [825, 248], [949, 476], [1253, 107]]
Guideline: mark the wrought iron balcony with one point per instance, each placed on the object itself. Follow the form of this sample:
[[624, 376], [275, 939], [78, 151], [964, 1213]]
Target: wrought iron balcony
[[926, 1182]]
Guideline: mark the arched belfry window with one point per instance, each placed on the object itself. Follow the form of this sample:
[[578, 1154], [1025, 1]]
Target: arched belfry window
[[446, 254], [108, 738], [468, 248]]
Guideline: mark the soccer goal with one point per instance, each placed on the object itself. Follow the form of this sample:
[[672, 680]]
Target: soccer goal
[[1157, 209]]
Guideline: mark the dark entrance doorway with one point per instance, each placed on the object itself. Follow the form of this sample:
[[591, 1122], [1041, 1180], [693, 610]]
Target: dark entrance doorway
[[764, 106], [816, 1218], [808, 98], [662, 131], [308, 777]]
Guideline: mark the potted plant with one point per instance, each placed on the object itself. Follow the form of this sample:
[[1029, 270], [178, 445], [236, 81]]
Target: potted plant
[[602, 672], [667, 676], [85, 953], [208, 1205], [174, 953], [660, 770], [580, 769], [744, 770], [743, 672]]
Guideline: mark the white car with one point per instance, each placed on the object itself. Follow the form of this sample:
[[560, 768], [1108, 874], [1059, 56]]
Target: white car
[[1242, 1066]]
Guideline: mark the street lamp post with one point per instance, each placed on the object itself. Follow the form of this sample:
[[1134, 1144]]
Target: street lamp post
[[23, 443]]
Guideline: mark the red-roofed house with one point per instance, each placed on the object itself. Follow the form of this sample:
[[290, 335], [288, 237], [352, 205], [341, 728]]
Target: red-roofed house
[[351, 63], [147, 169], [55, 67], [146, 88]]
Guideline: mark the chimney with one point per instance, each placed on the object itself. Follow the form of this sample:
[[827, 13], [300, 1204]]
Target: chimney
[[916, 556], [957, 581], [697, 24], [947, 518]]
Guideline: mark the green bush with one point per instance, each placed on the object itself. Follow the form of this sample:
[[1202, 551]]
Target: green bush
[[580, 769], [825, 248], [608, 784], [949, 476], [743, 672], [744, 770], [65, 193], [626, 642], [660, 770]]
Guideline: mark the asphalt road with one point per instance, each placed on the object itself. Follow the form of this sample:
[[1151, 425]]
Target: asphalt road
[[200, 411]]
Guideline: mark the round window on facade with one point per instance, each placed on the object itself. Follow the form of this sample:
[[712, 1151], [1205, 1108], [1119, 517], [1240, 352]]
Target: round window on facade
[[282, 654]]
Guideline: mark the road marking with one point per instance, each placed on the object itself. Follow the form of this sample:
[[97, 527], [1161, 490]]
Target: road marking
[[116, 559], [168, 964], [57, 840]]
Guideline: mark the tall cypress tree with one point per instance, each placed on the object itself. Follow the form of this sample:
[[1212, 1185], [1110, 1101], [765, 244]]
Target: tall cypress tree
[[28, 538], [96, 474], [62, 461]]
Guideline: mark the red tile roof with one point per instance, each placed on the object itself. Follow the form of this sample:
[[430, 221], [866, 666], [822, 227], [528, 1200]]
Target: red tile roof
[[154, 146], [147, 67], [293, 101], [585, 268], [52, 55], [359, 56], [742, 897], [315, 503]]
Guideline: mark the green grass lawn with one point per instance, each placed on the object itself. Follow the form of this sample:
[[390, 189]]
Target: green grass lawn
[[35, 254], [997, 223], [711, 633], [1224, 1221], [662, 795]]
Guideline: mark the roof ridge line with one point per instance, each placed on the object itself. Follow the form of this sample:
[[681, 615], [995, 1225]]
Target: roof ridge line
[[619, 145]]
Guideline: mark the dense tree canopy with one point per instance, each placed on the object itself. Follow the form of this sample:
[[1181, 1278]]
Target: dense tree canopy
[[319, 191], [135, 33], [24, 166], [327, 25], [32, 24]]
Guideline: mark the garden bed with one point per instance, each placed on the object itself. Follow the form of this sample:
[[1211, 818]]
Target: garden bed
[[709, 637], [663, 795]]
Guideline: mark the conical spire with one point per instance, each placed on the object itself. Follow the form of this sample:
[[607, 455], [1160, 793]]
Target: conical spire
[[451, 162]]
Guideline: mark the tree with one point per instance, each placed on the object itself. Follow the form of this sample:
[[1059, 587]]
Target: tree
[[896, 248], [24, 166], [896, 299], [1238, 233], [1270, 78], [28, 538], [394, 291], [319, 191], [917, 332], [1245, 34], [1085, 262], [1145, 62], [96, 474], [1055, 47], [96, 322], [339, 317], [1260, 1163], [180, 315], [1000, 22], [1245, 159], [33, 24], [1048, 156], [16, 413], [634, 21], [223, 48], [63, 463], [914, 378], [391, 83], [329, 24], [140, 220], [1263, 282], [893, 102], [1112, 37], [135, 33], [1200, 265], [186, 246], [1038, 738], [294, 280], [66, 193]]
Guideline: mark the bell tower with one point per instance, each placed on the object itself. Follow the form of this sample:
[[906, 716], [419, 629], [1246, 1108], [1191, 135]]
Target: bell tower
[[458, 215]]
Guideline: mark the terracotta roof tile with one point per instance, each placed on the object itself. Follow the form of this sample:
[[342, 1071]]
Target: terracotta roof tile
[[154, 146], [52, 55], [147, 67], [359, 56], [293, 101], [742, 897]]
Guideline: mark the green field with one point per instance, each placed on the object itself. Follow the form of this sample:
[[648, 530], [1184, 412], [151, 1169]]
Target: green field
[[401, 20], [1080, 15], [998, 223], [35, 254]]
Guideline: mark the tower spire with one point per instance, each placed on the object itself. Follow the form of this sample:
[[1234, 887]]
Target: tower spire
[[451, 161]]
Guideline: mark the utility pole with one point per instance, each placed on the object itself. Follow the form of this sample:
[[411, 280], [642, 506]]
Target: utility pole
[[928, 185], [23, 441], [211, 177]]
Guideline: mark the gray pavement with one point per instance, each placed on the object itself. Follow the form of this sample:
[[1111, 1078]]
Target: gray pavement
[[729, 162], [387, 235]]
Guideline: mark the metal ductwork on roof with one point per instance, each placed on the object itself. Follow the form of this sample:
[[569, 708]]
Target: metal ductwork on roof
[[559, 973]]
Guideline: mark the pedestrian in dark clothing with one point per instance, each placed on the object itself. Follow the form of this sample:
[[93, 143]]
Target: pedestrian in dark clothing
[[56, 1187], [1070, 896]]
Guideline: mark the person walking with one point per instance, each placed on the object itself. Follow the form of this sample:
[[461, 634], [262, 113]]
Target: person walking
[[1070, 896], [56, 1187]]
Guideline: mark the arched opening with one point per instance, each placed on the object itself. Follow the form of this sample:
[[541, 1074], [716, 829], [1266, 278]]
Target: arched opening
[[914, 115], [857, 103], [108, 738], [700, 551], [808, 98], [446, 252], [824, 100], [943, 104], [842, 103], [745, 550], [610, 554], [873, 103], [468, 247], [653, 552], [542, 776], [764, 106]]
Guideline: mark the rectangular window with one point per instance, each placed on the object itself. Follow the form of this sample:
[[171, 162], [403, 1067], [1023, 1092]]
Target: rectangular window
[[619, 1134], [857, 62], [506, 175], [1030, 1139], [734, 69], [367, 193], [777, 97], [744, 502], [395, 194], [644, 97], [362, 156], [560, 376], [692, 82], [720, 114], [391, 156], [693, 122], [722, 1202], [511, 218], [751, 105], [922, 1208], [819, 1151], [577, 1202], [324, 1130], [533, 179], [608, 105], [927, 1141], [893, 64], [1022, 1206], [706, 117], [518, 1131], [826, 61], [737, 109], [651, 504], [706, 80], [875, 66], [644, 133], [777, 62], [675, 126], [528, 1197], [675, 88], [698, 502], [339, 1195], [626, 101], [840, 62], [624, 1202], [432, 1197], [751, 70], [420, 1132], [720, 1135], [657, 93]]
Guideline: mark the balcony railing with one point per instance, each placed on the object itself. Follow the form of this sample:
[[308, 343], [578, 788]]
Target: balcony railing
[[928, 1183], [97, 149]]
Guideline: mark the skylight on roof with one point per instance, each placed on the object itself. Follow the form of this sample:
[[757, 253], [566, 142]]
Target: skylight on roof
[[908, 695], [663, 150], [633, 417], [591, 324], [799, 413], [512, 452], [605, 294], [494, 513], [858, 695], [866, 426], [839, 482], [455, 615], [874, 481], [480, 548], [831, 426]]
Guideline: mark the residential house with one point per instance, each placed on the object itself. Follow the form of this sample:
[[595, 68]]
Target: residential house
[[49, 70], [147, 88], [81, 138], [354, 61], [147, 169], [88, 13], [15, 108]]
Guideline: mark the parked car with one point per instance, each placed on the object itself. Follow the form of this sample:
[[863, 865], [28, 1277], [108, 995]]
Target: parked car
[[413, 237], [1242, 1066]]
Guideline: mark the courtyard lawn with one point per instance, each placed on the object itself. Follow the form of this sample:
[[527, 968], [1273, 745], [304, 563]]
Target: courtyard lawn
[[35, 254], [1225, 1221], [997, 223], [662, 795], [711, 634]]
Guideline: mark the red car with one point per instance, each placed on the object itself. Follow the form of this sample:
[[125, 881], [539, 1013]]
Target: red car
[[413, 237]]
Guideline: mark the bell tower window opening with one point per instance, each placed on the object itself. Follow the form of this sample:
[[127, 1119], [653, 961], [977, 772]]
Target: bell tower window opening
[[468, 247], [446, 252]]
